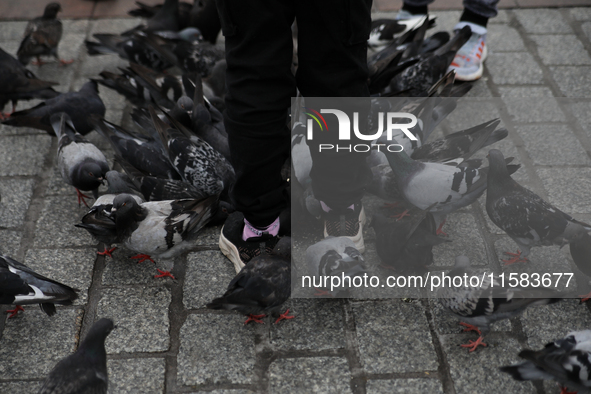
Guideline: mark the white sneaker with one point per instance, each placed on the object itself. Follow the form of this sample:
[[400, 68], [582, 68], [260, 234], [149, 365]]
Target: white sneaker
[[468, 62]]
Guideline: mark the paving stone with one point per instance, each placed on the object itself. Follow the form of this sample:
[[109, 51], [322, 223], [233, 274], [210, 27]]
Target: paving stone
[[403, 386], [541, 142], [572, 81], [57, 186], [502, 38], [523, 70], [586, 27], [534, 110], [216, 348], [478, 371], [12, 31], [465, 235], [394, 336], [55, 227], [544, 324], [208, 275], [561, 50], [318, 326], [524, 92], [94, 65], [568, 188], [10, 242], [141, 316], [581, 109], [542, 21], [23, 155], [542, 260], [580, 13], [446, 323], [20, 387], [39, 341], [224, 392], [72, 267], [310, 375], [479, 89], [16, 197], [469, 113], [142, 375], [121, 270], [113, 25], [502, 17], [75, 26], [209, 236], [446, 20]]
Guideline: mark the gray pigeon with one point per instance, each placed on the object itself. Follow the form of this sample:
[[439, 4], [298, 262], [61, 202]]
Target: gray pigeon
[[261, 287], [78, 105], [86, 370], [160, 229], [81, 164], [444, 188], [42, 36], [18, 83], [488, 303], [19, 285], [566, 360], [523, 215], [580, 251], [335, 256]]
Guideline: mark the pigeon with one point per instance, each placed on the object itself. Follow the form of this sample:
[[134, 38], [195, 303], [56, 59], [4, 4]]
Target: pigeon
[[334, 256], [261, 287], [118, 182], [204, 16], [160, 229], [523, 215], [446, 188], [42, 36], [99, 223], [78, 105], [487, 303], [405, 246], [384, 31], [18, 83], [81, 164], [198, 57], [565, 360], [19, 285], [418, 78], [86, 370]]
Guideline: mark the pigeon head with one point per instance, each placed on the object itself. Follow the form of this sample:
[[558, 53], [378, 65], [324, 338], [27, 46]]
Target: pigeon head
[[185, 103], [191, 34], [97, 335], [90, 176], [283, 248], [497, 164], [572, 233], [51, 10], [125, 206]]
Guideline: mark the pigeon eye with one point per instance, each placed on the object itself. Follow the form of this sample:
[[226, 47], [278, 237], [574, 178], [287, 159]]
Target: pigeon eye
[[91, 174]]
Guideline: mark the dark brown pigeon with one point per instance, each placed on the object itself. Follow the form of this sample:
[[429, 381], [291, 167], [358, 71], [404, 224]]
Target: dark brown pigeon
[[42, 36]]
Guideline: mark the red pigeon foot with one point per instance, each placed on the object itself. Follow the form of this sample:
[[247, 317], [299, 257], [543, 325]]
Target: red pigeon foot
[[107, 252], [142, 257], [472, 345], [564, 390], [38, 62], [516, 258], [401, 215], [66, 62], [14, 312], [163, 274], [255, 318], [81, 197], [284, 316], [440, 231], [585, 297], [390, 205], [470, 327], [321, 293]]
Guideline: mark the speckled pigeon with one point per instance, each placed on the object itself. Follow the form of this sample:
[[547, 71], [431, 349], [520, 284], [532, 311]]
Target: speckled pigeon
[[566, 360], [523, 215], [19, 285], [42, 36], [161, 229], [81, 164], [78, 105], [18, 83], [488, 303], [86, 370], [261, 287]]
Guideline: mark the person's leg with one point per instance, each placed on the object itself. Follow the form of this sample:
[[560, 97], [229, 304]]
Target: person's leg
[[332, 62], [259, 88], [468, 63]]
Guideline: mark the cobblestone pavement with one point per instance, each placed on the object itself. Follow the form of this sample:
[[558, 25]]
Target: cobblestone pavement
[[167, 341]]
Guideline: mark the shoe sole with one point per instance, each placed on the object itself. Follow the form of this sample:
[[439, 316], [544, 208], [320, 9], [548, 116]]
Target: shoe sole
[[475, 75], [230, 251], [358, 238]]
